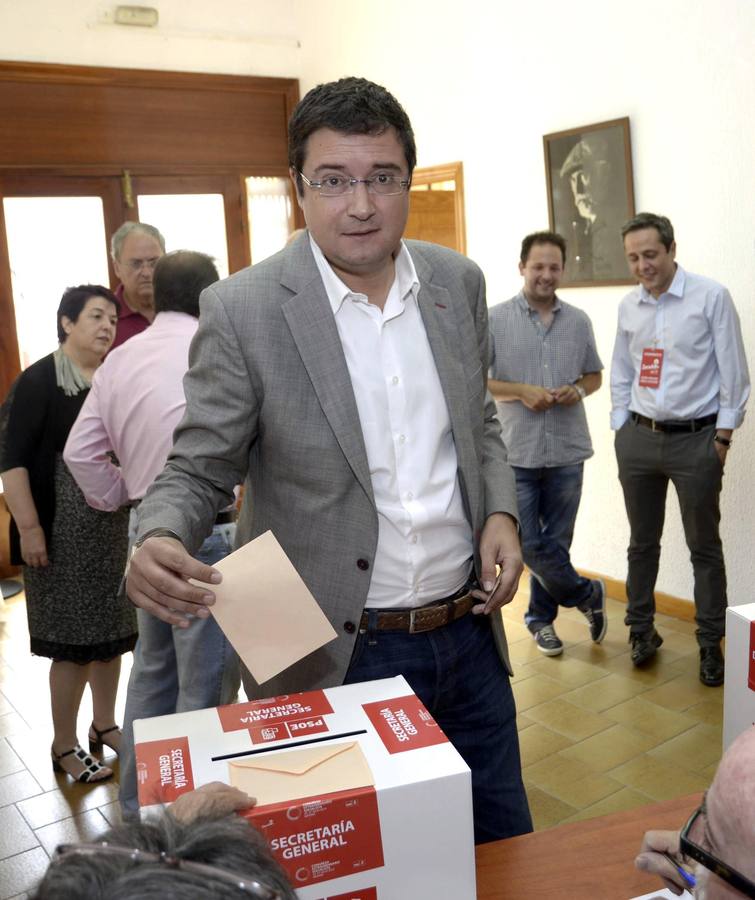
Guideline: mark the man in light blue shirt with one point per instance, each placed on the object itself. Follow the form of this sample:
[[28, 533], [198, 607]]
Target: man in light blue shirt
[[679, 385]]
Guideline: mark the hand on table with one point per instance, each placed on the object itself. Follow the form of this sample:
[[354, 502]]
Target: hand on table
[[214, 800], [651, 858]]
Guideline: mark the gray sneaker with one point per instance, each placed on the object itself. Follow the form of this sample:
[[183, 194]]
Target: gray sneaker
[[595, 611], [548, 642]]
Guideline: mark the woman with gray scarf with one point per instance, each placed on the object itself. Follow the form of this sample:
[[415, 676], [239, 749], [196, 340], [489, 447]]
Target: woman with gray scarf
[[73, 556]]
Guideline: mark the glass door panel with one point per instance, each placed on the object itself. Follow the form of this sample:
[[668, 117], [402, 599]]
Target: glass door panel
[[44, 261], [270, 215], [189, 222]]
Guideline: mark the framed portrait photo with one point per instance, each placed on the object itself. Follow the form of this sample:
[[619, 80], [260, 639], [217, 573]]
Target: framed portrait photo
[[588, 172]]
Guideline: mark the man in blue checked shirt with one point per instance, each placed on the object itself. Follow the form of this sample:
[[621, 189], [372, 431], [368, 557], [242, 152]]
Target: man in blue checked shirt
[[679, 385], [543, 363]]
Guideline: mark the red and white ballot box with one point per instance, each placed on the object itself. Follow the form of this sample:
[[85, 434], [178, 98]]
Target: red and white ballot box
[[739, 684], [359, 793]]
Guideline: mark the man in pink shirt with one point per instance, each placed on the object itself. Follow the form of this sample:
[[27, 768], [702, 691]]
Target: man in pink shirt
[[135, 402], [135, 248]]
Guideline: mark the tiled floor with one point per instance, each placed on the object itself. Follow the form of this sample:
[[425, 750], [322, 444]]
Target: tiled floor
[[596, 735]]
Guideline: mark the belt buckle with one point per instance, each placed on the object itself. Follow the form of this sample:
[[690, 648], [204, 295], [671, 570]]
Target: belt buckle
[[413, 627]]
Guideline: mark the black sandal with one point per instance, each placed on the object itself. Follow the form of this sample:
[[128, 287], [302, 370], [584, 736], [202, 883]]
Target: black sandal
[[91, 766], [95, 743]]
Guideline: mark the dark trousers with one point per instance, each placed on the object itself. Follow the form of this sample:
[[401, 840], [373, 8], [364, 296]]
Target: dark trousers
[[648, 460], [456, 672]]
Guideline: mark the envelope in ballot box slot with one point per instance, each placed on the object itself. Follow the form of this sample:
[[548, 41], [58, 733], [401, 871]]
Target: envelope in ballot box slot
[[293, 774]]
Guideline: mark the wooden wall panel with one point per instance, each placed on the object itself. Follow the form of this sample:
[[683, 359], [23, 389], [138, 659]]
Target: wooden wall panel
[[61, 116], [84, 122], [432, 217]]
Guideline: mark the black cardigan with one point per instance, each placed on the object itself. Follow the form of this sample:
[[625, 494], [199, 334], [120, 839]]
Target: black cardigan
[[39, 420]]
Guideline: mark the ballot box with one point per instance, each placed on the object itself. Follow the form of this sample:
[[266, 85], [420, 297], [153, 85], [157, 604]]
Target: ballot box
[[359, 793], [739, 683]]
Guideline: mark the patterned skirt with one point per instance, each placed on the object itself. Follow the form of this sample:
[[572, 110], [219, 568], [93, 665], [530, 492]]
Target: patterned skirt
[[74, 608]]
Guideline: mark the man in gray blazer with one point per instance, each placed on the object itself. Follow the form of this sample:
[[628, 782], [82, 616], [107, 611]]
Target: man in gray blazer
[[345, 379]]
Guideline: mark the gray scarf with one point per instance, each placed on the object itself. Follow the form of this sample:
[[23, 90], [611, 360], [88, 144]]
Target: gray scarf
[[68, 375]]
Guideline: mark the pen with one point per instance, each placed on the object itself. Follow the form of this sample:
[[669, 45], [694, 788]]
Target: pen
[[687, 878]]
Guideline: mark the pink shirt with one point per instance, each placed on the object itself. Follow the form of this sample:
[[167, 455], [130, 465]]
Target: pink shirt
[[135, 403]]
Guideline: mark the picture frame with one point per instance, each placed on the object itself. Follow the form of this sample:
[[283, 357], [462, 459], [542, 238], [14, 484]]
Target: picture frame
[[588, 173]]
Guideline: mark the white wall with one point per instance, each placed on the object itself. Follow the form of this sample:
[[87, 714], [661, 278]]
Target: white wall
[[233, 37], [482, 83]]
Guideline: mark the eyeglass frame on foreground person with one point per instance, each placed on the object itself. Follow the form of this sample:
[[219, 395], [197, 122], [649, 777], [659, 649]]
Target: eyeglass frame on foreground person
[[724, 819]]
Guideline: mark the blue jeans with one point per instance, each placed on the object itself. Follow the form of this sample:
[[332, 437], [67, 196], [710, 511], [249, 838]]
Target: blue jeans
[[548, 500], [177, 670], [456, 672]]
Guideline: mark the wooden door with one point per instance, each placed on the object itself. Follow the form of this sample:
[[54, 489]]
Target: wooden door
[[436, 208]]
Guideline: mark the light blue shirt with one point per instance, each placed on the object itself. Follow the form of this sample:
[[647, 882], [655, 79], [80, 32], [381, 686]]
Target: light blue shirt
[[704, 367]]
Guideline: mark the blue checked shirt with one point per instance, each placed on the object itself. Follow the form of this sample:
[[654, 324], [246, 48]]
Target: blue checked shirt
[[524, 351]]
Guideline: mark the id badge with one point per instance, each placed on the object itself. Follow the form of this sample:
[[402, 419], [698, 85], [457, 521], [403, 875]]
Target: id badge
[[650, 368]]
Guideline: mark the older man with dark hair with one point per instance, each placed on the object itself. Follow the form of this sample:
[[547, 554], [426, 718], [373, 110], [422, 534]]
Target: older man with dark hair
[[679, 386], [345, 378], [136, 401], [135, 249]]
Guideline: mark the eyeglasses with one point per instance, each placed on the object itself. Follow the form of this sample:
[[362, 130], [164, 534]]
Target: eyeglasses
[[249, 886], [136, 265], [694, 851], [336, 185]]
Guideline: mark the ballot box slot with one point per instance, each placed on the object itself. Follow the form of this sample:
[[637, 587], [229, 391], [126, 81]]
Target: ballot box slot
[[276, 747]]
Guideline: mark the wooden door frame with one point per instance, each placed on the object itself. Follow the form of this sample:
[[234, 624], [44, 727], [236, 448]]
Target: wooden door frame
[[71, 121], [233, 189], [448, 172]]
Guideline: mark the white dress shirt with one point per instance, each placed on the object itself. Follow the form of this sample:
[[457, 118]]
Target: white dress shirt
[[704, 368], [424, 538]]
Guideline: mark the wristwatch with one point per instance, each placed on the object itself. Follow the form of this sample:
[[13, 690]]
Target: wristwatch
[[580, 390], [724, 442]]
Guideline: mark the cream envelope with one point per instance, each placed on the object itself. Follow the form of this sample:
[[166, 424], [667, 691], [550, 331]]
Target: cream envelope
[[265, 609], [292, 775]]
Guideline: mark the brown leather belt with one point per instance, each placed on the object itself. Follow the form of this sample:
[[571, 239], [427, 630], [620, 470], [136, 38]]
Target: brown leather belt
[[423, 618], [682, 425]]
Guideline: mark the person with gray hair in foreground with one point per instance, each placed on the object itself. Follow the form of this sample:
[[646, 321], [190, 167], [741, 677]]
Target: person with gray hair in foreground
[[719, 837], [196, 849]]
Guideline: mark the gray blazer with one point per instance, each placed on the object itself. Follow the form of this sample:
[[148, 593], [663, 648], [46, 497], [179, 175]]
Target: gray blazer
[[270, 401]]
